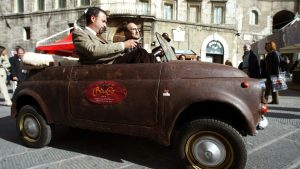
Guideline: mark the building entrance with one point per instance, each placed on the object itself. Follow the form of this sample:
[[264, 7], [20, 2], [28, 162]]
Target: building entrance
[[215, 52]]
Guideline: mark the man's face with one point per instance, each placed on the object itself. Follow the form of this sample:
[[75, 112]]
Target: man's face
[[247, 48], [133, 31], [99, 22], [20, 53]]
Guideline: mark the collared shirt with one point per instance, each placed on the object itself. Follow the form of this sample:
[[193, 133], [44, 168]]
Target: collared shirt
[[91, 30]]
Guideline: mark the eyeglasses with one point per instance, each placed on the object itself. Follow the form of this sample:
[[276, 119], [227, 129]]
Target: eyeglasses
[[135, 29]]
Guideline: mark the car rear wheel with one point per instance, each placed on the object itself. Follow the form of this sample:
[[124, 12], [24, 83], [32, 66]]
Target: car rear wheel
[[33, 128], [210, 144]]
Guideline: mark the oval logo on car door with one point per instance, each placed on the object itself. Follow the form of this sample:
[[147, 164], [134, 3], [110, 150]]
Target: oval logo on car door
[[105, 92]]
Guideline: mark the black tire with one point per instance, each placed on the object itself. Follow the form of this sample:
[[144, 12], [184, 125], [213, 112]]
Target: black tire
[[210, 144], [33, 128]]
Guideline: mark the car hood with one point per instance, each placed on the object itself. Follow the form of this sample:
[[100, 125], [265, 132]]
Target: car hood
[[196, 69]]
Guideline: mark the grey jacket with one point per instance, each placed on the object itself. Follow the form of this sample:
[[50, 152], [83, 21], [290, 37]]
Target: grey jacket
[[92, 49]]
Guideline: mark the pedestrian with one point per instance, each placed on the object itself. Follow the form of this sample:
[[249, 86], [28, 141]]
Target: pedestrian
[[262, 64], [250, 63], [228, 63], [17, 74], [284, 64], [92, 47], [272, 69], [240, 66], [181, 57], [4, 66]]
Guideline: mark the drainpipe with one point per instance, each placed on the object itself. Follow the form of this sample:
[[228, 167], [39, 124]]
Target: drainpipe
[[177, 4]]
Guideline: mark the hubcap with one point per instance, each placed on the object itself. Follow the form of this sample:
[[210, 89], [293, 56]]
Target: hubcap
[[209, 151], [31, 127]]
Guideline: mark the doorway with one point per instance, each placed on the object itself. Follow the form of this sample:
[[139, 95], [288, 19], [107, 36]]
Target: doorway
[[215, 52]]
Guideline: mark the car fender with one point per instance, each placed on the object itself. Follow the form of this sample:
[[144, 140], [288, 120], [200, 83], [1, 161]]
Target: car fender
[[217, 97], [27, 92]]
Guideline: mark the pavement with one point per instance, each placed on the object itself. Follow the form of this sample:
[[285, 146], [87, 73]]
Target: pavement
[[293, 85]]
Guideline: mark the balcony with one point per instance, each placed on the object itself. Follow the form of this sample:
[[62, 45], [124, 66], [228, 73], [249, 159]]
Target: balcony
[[141, 8]]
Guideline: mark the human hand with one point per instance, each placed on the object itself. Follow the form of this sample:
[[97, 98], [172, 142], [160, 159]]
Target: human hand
[[131, 43], [14, 78]]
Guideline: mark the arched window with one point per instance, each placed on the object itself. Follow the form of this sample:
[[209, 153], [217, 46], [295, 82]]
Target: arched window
[[215, 47], [280, 19], [253, 18], [215, 52], [26, 33]]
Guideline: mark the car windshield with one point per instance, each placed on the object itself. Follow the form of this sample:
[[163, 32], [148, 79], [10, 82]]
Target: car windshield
[[169, 53]]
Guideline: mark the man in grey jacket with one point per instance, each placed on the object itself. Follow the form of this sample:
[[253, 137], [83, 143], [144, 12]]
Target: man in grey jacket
[[93, 48]]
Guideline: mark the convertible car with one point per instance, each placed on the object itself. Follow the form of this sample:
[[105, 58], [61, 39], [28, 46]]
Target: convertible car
[[202, 109]]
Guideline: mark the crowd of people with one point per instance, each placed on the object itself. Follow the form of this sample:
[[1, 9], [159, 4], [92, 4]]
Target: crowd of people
[[11, 72], [270, 64]]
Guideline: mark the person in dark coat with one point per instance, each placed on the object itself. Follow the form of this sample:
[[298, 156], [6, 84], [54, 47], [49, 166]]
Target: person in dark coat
[[250, 62], [272, 68], [262, 64], [16, 72], [131, 31]]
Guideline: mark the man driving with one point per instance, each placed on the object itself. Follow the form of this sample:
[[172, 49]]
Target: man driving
[[93, 48], [131, 31]]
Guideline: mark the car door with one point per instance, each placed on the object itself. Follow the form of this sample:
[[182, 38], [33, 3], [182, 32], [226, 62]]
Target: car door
[[116, 93]]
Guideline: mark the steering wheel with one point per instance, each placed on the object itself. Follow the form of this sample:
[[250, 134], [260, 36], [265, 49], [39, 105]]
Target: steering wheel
[[167, 50]]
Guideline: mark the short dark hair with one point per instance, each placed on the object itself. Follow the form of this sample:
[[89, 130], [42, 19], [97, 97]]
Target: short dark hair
[[92, 11], [19, 47]]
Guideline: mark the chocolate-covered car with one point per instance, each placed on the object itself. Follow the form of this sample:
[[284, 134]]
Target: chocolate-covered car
[[203, 109]]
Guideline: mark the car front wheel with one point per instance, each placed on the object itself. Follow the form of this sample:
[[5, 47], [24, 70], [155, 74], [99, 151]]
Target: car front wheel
[[210, 144], [33, 128]]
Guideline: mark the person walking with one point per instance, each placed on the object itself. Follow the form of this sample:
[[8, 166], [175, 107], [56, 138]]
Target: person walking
[[17, 75], [4, 66], [250, 63], [272, 68]]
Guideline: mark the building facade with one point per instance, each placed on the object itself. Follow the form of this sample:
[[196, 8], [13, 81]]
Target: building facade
[[216, 30]]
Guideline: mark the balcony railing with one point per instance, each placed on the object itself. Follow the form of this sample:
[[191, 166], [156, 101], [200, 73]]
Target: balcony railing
[[129, 8]]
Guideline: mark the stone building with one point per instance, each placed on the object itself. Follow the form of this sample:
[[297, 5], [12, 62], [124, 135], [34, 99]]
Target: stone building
[[214, 29]]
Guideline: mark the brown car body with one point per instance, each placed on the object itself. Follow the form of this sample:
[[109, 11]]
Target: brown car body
[[160, 97], [201, 108]]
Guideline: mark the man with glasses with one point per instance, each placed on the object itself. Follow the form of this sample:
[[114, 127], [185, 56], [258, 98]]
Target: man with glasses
[[131, 31], [93, 48]]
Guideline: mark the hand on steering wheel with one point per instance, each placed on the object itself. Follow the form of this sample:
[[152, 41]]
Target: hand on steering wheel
[[160, 52]]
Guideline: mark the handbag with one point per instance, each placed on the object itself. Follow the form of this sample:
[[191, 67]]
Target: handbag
[[279, 82]]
